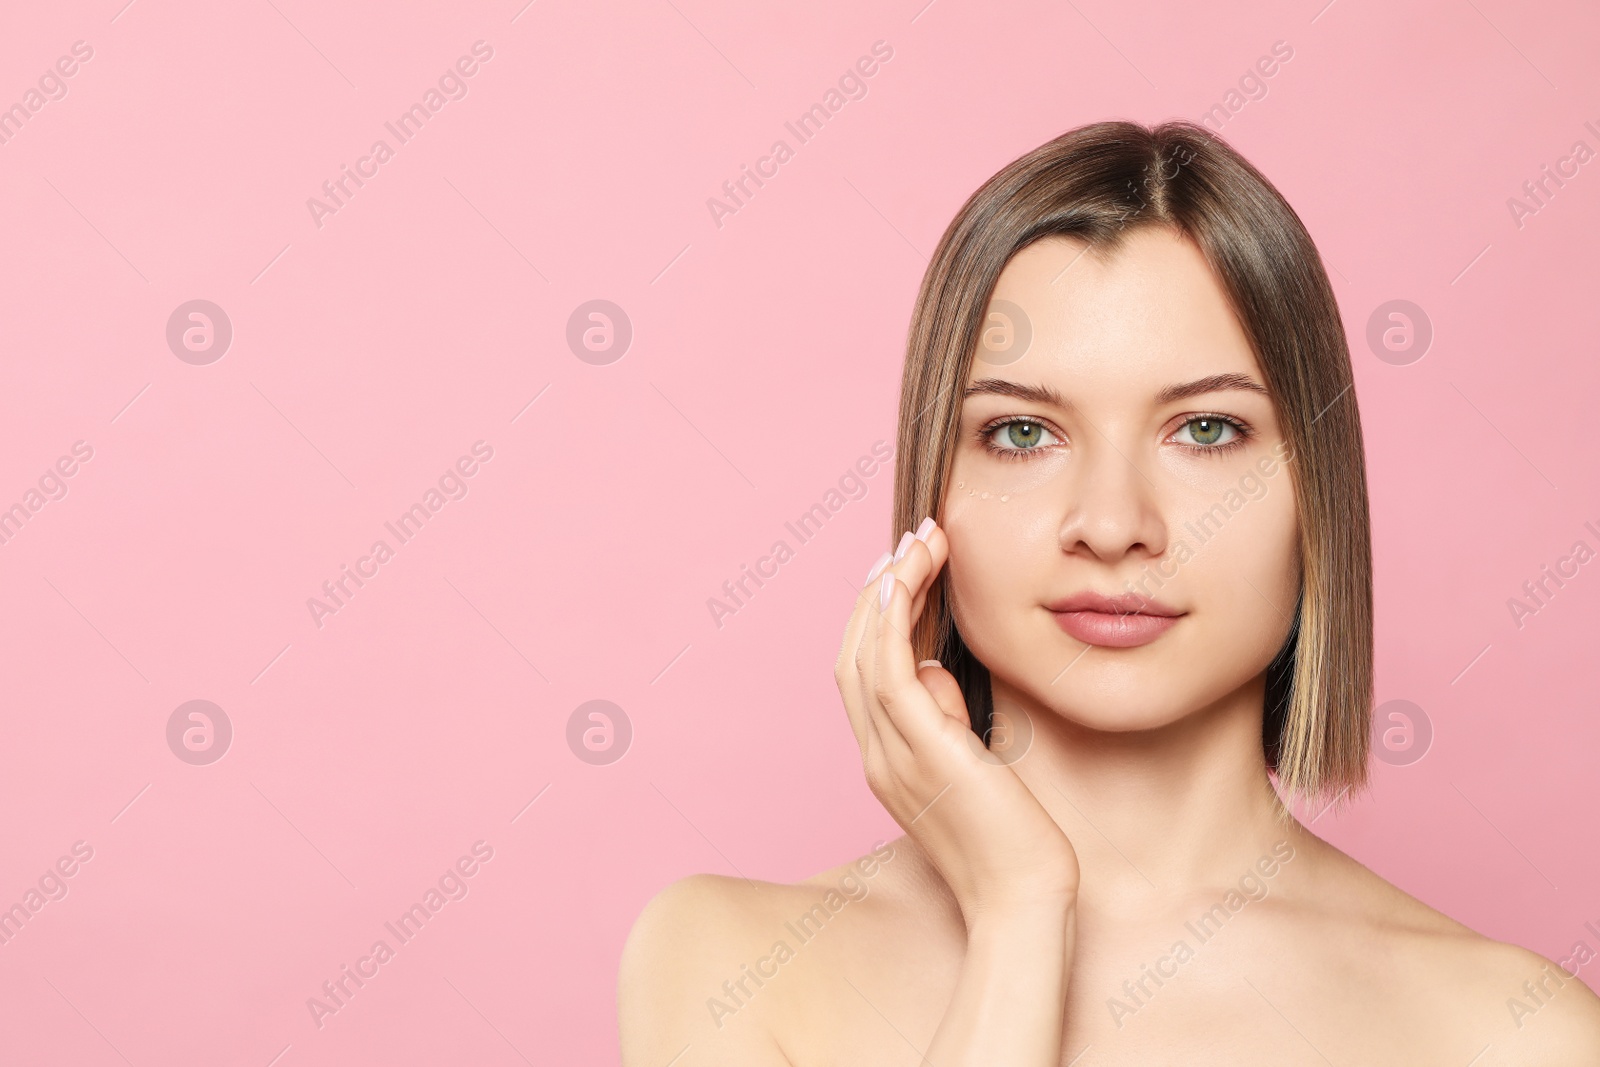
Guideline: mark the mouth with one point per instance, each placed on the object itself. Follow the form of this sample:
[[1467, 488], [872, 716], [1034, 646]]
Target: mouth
[[1123, 621]]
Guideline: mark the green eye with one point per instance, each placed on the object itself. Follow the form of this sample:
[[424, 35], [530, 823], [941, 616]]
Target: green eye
[[1212, 434], [1016, 438], [1206, 431], [1023, 434]]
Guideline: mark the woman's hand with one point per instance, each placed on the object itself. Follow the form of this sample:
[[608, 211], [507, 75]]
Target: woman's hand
[[999, 851]]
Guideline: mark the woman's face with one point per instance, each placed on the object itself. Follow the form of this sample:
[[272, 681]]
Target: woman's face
[[1157, 473]]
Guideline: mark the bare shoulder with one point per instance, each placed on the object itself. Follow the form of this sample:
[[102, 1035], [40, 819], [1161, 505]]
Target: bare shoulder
[[1510, 1004], [700, 972], [689, 939], [1533, 1010]]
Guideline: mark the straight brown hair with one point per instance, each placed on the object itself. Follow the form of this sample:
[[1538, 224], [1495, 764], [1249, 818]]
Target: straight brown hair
[[1098, 183]]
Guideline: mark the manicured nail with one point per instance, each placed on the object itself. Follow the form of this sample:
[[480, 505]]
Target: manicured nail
[[885, 591], [883, 561], [929, 663], [924, 529], [905, 543]]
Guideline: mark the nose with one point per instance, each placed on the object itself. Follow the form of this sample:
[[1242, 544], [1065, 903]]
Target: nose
[[1111, 504]]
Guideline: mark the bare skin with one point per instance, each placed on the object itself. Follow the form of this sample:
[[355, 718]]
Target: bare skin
[[1120, 888]]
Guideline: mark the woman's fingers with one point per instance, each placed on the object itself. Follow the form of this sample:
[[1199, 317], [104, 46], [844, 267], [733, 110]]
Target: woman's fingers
[[938, 548], [915, 562], [892, 743], [919, 564], [847, 667], [911, 567], [906, 706], [867, 605], [945, 689]]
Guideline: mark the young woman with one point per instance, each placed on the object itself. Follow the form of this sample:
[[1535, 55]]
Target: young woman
[[1137, 609]]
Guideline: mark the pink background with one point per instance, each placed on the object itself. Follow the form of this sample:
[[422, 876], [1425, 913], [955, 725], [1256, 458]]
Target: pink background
[[369, 354]]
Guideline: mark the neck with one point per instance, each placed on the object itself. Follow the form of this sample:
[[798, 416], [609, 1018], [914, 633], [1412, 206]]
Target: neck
[[1183, 808]]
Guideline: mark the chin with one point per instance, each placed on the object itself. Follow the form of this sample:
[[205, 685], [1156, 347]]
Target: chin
[[1114, 713], [1116, 690]]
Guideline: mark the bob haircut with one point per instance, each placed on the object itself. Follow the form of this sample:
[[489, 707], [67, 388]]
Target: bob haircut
[[1098, 183]]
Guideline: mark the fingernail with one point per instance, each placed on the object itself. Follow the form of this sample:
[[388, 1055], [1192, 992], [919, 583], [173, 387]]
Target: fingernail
[[883, 561], [905, 543], [885, 591], [929, 663], [924, 529]]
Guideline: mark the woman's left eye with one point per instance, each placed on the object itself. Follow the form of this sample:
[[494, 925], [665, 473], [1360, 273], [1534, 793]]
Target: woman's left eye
[[1209, 431]]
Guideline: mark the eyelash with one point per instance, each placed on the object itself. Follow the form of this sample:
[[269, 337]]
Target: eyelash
[[1243, 434]]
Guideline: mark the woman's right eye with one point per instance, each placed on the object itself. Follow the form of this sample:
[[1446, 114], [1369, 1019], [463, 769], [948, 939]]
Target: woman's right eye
[[1017, 436]]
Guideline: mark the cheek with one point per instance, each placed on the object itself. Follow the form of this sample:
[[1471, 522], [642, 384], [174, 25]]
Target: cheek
[[1247, 575], [1005, 504], [979, 477], [1000, 555]]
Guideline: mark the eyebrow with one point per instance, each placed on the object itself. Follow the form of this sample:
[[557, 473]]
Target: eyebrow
[[1044, 394]]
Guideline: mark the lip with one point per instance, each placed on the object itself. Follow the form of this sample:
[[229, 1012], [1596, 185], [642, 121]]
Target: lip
[[1126, 620], [1121, 604]]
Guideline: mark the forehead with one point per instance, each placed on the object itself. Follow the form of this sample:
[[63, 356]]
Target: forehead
[[1152, 307]]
